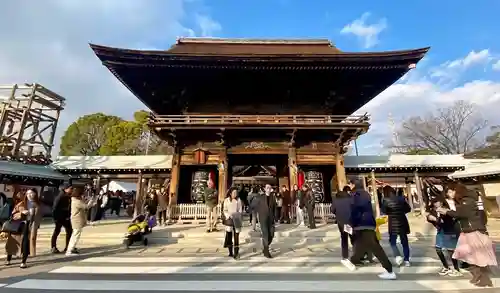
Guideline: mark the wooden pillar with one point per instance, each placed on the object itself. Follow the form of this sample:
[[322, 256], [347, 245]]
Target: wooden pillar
[[418, 184], [139, 195], [340, 170], [98, 184], [363, 180], [292, 167], [223, 169], [409, 195], [174, 177], [375, 193]]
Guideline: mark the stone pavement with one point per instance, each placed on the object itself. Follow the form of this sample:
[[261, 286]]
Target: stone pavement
[[287, 272]]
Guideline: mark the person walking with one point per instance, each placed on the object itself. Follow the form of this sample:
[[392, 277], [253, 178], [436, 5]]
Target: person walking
[[265, 207], [396, 208], [446, 235], [78, 218], [341, 208], [253, 199], [232, 212], [61, 212], [474, 246], [211, 200], [26, 217], [363, 226]]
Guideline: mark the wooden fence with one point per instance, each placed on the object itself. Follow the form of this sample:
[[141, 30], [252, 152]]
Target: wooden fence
[[197, 212]]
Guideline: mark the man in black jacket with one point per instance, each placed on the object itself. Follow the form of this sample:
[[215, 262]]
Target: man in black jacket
[[61, 213]]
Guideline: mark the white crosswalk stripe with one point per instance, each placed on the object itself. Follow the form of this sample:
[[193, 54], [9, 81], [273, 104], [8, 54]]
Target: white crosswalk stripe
[[280, 274]]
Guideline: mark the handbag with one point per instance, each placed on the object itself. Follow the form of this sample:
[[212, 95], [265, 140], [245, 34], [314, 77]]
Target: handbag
[[13, 226]]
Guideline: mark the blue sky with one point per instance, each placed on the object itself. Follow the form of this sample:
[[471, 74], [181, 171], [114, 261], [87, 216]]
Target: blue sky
[[462, 64]]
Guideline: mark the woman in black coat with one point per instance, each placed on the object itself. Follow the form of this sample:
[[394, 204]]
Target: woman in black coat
[[396, 208]]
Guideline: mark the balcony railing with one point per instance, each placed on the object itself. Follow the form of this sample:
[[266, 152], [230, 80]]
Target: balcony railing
[[259, 120]]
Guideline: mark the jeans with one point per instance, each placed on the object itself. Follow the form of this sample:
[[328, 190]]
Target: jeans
[[211, 217], [57, 230], [404, 242], [300, 216], [253, 219]]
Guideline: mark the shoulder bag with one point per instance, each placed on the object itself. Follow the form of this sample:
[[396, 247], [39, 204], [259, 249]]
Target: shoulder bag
[[13, 226]]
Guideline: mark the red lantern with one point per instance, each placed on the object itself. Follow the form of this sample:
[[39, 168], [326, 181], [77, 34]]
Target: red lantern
[[301, 179], [200, 156]]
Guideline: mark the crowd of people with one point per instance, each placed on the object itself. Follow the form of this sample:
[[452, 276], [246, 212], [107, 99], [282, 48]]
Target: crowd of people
[[457, 215]]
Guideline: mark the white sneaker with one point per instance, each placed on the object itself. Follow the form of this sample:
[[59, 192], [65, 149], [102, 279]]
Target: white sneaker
[[70, 254], [407, 264], [454, 273], [444, 272], [399, 261], [387, 276], [348, 264]]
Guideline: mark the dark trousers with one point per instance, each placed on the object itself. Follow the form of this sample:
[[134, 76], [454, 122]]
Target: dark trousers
[[285, 214], [366, 242], [66, 223], [162, 216], [267, 230], [233, 247], [310, 217], [344, 241], [277, 216]]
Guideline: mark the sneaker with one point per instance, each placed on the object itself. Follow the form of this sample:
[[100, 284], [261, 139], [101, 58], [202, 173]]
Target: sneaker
[[23, 266], [399, 261], [443, 271], [348, 264], [454, 273], [54, 250], [407, 264], [387, 276], [71, 254]]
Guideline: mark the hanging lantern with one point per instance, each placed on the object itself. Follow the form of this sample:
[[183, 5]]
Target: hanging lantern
[[301, 179], [200, 156]]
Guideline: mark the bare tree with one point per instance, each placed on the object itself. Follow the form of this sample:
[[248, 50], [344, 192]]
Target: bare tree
[[451, 130]]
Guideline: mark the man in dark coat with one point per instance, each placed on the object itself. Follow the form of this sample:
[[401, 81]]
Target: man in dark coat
[[341, 208], [265, 205], [287, 202], [61, 213]]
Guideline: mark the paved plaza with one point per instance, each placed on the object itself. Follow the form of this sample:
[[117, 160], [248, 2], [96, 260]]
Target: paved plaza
[[185, 258]]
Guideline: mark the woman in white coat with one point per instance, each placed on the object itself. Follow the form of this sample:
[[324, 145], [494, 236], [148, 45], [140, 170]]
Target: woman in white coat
[[232, 210]]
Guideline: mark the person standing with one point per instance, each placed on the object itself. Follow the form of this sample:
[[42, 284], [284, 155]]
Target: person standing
[[396, 208], [286, 203], [310, 203], [363, 226], [266, 206], [232, 209], [162, 207], [474, 246], [78, 218], [61, 212], [279, 206], [341, 208], [211, 199]]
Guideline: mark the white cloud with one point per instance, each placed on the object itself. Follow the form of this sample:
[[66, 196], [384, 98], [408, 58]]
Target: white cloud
[[367, 33], [47, 42], [496, 66], [449, 71], [208, 26], [417, 96]]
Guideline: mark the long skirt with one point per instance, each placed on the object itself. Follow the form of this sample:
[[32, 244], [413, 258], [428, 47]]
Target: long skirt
[[475, 248]]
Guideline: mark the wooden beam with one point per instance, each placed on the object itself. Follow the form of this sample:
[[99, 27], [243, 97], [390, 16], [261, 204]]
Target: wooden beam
[[420, 195], [292, 167], [139, 196], [340, 170], [374, 193], [223, 169], [409, 195], [174, 177]]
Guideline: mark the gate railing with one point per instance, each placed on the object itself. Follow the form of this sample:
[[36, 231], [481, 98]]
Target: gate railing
[[197, 212]]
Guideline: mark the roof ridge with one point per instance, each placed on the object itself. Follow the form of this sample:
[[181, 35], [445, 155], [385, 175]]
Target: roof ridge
[[203, 40]]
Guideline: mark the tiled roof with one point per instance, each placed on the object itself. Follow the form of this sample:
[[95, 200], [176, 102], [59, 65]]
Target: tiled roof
[[404, 161], [30, 170], [112, 162], [477, 169]]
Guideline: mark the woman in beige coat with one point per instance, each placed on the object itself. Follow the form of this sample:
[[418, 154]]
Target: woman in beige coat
[[78, 218], [27, 209]]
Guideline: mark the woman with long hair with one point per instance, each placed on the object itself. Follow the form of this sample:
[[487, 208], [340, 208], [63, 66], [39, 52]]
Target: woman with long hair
[[474, 246], [25, 214], [232, 209], [396, 208], [447, 232]]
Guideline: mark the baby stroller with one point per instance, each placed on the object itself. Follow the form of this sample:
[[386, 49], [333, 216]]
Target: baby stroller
[[138, 229]]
